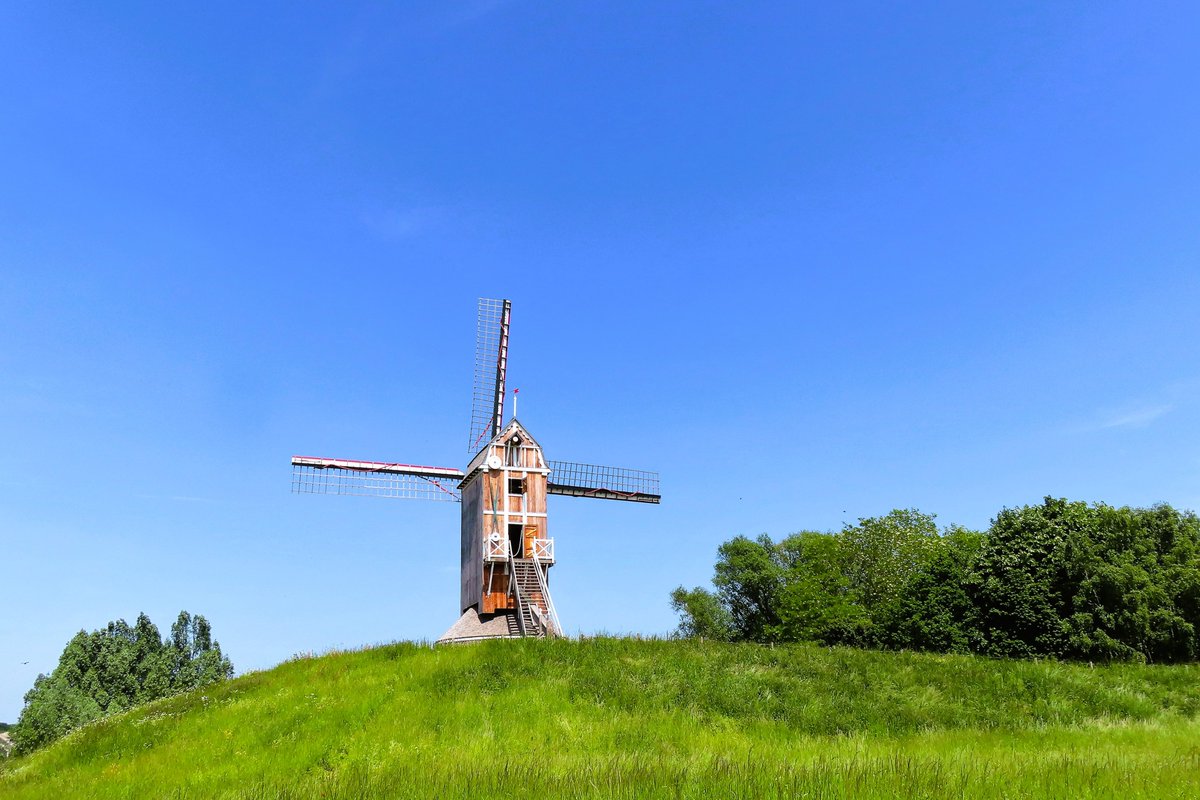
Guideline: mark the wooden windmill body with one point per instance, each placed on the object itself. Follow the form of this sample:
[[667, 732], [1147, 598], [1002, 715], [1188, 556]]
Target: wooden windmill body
[[506, 550]]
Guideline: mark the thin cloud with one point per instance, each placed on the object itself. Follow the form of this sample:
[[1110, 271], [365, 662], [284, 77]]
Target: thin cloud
[[1135, 418]]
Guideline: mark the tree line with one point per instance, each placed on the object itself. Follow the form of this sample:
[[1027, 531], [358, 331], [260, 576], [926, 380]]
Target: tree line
[[1061, 579], [115, 668]]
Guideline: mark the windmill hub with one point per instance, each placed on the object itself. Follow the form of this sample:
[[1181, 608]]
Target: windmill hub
[[506, 553]]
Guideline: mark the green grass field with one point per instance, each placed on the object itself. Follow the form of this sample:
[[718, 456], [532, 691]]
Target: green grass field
[[626, 718]]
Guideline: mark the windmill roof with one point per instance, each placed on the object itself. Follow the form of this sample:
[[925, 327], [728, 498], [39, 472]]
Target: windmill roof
[[513, 425], [471, 627]]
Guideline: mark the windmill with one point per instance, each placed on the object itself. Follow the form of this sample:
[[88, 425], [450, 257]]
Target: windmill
[[506, 550]]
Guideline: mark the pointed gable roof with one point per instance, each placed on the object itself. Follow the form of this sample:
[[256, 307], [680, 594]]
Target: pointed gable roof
[[513, 428]]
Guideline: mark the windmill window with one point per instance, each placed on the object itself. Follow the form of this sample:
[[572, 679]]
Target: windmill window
[[516, 486]]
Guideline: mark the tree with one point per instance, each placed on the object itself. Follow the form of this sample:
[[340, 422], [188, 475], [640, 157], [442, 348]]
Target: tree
[[153, 665], [748, 579], [701, 615], [882, 554], [196, 660], [816, 601], [812, 586], [62, 701], [935, 611], [1125, 578], [1075, 580], [115, 668], [1020, 581], [1060, 579]]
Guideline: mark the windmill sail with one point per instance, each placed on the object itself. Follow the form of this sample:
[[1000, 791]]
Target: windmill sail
[[374, 479], [491, 366], [603, 483]]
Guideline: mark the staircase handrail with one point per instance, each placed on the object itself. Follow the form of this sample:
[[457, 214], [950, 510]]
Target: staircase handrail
[[516, 587], [545, 587]]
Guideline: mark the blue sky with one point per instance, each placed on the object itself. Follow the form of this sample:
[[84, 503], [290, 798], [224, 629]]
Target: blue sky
[[810, 263]]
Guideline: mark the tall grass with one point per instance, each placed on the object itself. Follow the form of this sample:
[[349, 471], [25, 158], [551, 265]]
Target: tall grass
[[626, 718]]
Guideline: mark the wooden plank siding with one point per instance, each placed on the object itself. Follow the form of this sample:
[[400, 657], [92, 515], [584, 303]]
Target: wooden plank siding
[[471, 545], [498, 598], [485, 502]]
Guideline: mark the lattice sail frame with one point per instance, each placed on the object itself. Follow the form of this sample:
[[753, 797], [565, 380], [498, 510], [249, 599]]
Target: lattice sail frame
[[603, 483], [372, 479], [491, 364]]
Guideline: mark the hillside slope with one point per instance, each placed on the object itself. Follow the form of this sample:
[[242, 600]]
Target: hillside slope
[[624, 718]]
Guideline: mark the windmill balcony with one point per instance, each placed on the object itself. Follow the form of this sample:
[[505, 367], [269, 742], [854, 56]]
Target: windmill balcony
[[543, 550], [496, 548]]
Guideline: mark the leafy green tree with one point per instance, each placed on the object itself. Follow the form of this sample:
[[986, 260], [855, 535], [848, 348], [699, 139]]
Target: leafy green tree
[[748, 578], [1021, 579], [115, 668], [152, 670], [1178, 536], [62, 701], [1124, 602], [701, 614], [196, 659], [882, 554], [1060, 579], [815, 586], [816, 602], [1090, 581], [935, 611]]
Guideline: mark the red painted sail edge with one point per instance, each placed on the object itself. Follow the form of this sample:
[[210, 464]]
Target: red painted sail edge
[[373, 466]]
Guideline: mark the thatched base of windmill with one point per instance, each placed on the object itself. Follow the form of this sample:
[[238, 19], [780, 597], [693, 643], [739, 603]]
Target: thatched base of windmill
[[474, 627]]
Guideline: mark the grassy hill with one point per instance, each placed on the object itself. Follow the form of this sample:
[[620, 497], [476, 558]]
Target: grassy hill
[[624, 718]]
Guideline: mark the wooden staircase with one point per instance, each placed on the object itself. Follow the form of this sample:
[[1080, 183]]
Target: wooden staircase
[[533, 606]]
